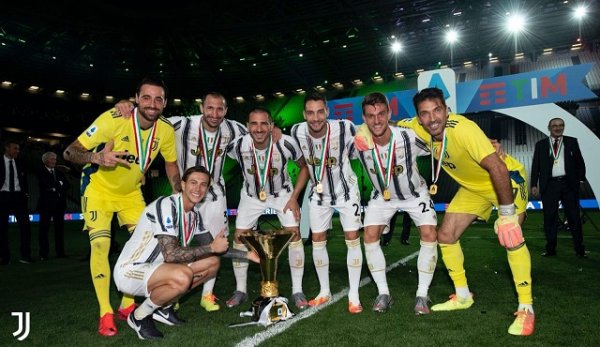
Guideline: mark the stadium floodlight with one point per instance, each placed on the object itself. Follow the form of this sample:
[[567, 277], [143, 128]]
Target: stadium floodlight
[[396, 49], [515, 23], [579, 13], [451, 38]]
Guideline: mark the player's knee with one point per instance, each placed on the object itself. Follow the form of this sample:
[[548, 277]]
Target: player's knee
[[181, 279], [428, 234], [319, 236], [100, 241]]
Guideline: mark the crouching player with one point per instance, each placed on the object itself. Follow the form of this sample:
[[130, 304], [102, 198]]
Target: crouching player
[[157, 261]]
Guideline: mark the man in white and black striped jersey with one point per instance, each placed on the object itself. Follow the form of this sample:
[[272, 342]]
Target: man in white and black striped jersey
[[328, 146], [267, 184], [390, 161]]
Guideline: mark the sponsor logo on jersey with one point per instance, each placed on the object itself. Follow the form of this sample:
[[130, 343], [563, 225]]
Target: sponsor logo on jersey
[[169, 223], [91, 131]]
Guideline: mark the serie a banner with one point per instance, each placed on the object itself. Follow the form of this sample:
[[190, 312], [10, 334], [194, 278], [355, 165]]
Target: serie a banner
[[524, 89]]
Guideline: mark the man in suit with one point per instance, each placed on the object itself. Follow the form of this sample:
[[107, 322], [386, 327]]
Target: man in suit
[[557, 171], [52, 205], [13, 199]]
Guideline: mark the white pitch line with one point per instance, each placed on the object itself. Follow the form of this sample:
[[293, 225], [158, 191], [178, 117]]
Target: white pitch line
[[280, 327]]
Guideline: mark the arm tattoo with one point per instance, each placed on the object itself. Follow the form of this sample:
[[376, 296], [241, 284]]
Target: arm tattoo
[[78, 154], [173, 252], [207, 239]]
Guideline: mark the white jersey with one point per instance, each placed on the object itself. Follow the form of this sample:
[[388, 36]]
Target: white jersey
[[405, 182], [189, 148], [338, 178], [161, 217], [278, 179]]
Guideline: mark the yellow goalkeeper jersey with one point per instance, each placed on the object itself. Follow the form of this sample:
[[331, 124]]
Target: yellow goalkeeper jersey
[[466, 147], [120, 181]]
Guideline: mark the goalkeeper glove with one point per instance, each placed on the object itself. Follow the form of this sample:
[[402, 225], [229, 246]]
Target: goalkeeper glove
[[363, 140], [507, 227]]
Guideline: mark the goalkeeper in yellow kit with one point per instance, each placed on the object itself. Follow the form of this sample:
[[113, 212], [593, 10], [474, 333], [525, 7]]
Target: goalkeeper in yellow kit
[[485, 181]]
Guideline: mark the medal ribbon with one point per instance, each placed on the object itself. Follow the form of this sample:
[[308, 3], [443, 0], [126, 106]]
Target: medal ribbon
[[387, 174], [209, 160], [556, 154], [262, 172], [143, 152], [435, 170], [322, 168], [185, 230]]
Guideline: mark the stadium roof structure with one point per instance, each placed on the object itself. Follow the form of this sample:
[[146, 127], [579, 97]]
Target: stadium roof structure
[[250, 47]]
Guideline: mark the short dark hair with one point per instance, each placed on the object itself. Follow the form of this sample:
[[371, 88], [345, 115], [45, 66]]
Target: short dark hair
[[374, 98], [216, 95], [428, 93], [197, 168], [153, 82], [9, 142], [314, 96], [555, 118], [261, 110]]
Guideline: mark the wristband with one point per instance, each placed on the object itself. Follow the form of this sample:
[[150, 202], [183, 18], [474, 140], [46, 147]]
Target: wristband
[[506, 210]]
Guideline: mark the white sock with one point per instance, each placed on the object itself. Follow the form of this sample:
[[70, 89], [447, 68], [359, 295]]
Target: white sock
[[426, 263], [208, 286], [321, 260], [145, 309], [528, 307], [296, 260], [376, 263], [354, 260], [463, 292], [240, 269]]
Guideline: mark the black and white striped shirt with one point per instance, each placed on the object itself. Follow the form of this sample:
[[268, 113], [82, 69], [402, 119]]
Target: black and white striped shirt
[[187, 132], [160, 217], [406, 182], [278, 178], [338, 178]]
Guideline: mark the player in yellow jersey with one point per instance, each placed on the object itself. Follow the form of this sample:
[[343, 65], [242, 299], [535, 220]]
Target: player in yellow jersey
[[485, 181], [116, 153]]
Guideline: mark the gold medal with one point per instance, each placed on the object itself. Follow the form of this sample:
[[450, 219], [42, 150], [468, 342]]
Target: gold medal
[[319, 188], [433, 189], [262, 195], [387, 195]]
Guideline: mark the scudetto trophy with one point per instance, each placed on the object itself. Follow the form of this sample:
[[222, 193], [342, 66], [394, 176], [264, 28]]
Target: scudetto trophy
[[269, 307]]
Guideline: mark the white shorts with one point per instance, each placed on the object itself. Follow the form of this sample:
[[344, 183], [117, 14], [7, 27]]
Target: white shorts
[[321, 215], [250, 209], [133, 279], [214, 216], [421, 210]]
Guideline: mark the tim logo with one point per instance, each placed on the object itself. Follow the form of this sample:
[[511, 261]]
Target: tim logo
[[23, 330]]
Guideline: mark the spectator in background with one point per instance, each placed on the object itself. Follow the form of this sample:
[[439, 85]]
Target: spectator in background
[[557, 171], [13, 199], [52, 204]]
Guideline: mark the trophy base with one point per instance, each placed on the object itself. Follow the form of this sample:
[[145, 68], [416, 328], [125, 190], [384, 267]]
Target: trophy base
[[267, 311]]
